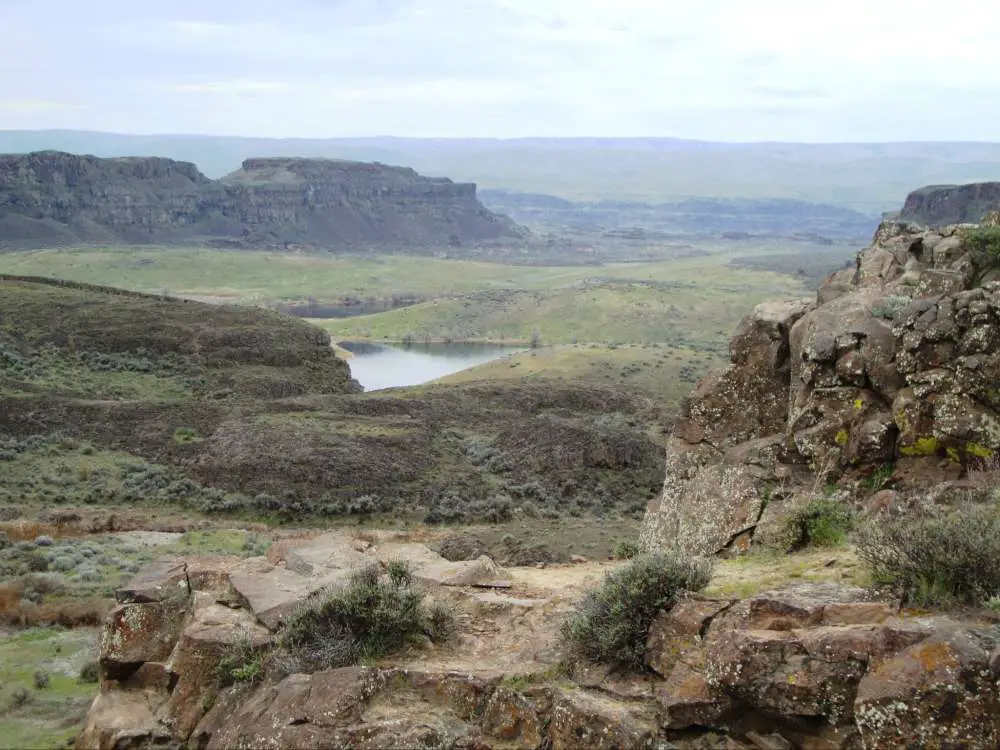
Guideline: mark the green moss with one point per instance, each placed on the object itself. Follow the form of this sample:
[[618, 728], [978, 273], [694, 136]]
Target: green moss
[[859, 404], [185, 435], [925, 446], [842, 437], [953, 455]]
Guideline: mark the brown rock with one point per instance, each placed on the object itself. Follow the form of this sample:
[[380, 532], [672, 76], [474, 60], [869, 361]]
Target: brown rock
[[121, 719], [772, 741], [937, 693], [676, 633], [212, 630], [589, 721], [137, 633], [511, 717], [687, 700]]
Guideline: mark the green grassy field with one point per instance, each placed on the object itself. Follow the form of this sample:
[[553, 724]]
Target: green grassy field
[[44, 717], [662, 372], [686, 302], [270, 277]]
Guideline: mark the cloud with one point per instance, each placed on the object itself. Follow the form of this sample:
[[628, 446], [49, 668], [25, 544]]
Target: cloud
[[730, 70], [36, 105], [229, 87]]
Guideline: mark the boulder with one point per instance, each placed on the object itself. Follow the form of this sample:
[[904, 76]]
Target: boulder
[[940, 692], [138, 633], [582, 720]]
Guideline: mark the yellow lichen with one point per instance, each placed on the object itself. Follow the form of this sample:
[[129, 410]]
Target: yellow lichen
[[842, 437], [859, 404], [978, 450], [925, 446]]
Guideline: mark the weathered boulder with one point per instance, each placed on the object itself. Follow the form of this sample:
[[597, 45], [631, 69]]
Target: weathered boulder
[[137, 633], [940, 692], [590, 721]]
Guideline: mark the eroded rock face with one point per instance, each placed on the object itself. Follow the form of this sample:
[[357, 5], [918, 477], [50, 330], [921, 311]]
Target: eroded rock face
[[52, 197], [896, 361], [937, 205]]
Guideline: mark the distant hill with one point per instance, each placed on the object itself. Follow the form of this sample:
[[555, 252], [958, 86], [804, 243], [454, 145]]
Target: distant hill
[[51, 198], [869, 178], [775, 216]]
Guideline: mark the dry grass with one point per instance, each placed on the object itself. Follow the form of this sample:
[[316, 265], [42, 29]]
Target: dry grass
[[762, 571]]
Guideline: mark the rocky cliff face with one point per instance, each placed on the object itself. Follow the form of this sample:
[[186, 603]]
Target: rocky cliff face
[[51, 198], [938, 205], [811, 666], [895, 363]]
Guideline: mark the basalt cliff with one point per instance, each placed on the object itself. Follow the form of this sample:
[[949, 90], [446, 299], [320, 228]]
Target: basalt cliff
[[894, 367], [52, 198], [940, 205]]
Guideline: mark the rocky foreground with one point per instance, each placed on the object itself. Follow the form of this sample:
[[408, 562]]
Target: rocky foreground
[[52, 198], [810, 666]]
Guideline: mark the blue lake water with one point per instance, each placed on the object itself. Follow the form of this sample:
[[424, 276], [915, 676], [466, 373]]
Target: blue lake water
[[378, 366]]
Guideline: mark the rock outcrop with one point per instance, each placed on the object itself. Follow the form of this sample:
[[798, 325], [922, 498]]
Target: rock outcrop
[[895, 362], [810, 666], [939, 205], [52, 198]]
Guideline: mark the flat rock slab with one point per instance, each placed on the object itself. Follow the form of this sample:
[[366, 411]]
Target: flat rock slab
[[273, 595], [333, 551], [429, 567]]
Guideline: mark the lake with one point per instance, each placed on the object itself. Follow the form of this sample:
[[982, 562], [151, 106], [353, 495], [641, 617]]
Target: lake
[[378, 366]]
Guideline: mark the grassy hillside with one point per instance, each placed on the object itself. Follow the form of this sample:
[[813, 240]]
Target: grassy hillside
[[268, 277], [690, 301], [866, 177], [662, 372], [229, 410], [683, 312]]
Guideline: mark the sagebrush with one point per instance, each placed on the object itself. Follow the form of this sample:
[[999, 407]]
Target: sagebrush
[[612, 622], [821, 522], [937, 561], [371, 616]]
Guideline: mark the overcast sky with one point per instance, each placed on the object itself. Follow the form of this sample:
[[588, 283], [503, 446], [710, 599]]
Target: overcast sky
[[794, 70]]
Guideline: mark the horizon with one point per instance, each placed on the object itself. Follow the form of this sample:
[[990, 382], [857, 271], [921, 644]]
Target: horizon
[[385, 137]]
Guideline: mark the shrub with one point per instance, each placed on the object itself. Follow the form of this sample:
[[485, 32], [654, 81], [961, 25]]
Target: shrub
[[36, 562], [369, 617], [41, 680], [625, 549], [889, 306], [458, 547], [19, 698], [241, 662], [185, 435], [612, 622], [942, 560], [89, 673], [822, 522], [983, 240]]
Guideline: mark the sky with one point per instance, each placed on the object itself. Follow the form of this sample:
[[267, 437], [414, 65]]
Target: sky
[[729, 70]]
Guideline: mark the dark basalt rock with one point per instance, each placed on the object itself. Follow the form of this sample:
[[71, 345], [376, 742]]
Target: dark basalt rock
[[52, 198]]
